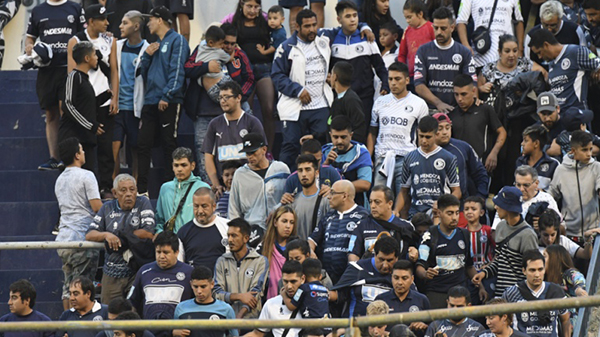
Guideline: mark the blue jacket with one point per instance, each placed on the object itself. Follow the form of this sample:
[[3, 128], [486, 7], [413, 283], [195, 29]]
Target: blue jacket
[[163, 71], [473, 177]]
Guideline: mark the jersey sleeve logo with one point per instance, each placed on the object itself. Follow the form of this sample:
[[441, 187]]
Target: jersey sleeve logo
[[565, 64], [439, 164], [457, 58]]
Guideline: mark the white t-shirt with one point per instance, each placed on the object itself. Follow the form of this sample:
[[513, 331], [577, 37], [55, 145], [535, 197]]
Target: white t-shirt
[[315, 75], [276, 309], [397, 121], [541, 196], [569, 245], [99, 81], [481, 11]]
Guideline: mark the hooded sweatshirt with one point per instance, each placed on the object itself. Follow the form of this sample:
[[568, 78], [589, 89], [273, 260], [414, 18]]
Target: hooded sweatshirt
[[253, 197], [168, 200], [577, 185]]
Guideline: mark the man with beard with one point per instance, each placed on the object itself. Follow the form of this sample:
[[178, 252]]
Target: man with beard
[[382, 219], [439, 61], [365, 279], [310, 206], [548, 110], [403, 298], [127, 212], [445, 255], [458, 297], [204, 238], [243, 293]]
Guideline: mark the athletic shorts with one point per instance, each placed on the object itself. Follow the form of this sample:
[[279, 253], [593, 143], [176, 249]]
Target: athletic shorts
[[126, 124], [298, 3], [50, 86], [261, 70], [77, 262]]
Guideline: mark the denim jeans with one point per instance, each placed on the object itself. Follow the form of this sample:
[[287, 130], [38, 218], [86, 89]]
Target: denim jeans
[[379, 179], [309, 122], [200, 128]]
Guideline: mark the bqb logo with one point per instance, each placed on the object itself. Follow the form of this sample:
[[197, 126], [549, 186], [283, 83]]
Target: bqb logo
[[394, 121]]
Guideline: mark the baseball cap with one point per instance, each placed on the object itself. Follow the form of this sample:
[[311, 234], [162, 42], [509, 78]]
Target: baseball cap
[[546, 101], [442, 118], [573, 117], [161, 12], [509, 199], [252, 142], [96, 11]]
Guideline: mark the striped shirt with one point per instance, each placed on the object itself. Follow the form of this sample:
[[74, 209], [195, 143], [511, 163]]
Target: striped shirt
[[507, 265], [482, 247]]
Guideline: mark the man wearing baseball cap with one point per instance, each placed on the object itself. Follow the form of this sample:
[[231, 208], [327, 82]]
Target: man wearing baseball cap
[[257, 186], [96, 17], [548, 110], [474, 179], [162, 69], [513, 237]]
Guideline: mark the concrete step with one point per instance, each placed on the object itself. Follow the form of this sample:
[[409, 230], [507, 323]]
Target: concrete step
[[18, 86]]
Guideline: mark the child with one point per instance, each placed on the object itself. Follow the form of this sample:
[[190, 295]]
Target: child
[[278, 35], [213, 51], [418, 32], [482, 242], [229, 168], [79, 108], [388, 34], [532, 147], [312, 298], [576, 184]]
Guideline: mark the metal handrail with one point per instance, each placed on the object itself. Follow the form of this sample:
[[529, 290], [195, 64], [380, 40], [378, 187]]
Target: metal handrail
[[591, 282], [404, 318], [22, 245]]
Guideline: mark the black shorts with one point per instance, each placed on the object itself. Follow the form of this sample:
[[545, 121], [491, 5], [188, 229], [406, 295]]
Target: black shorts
[[178, 7], [297, 3], [50, 86], [126, 124]]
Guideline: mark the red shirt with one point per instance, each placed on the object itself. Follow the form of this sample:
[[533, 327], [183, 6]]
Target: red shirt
[[482, 246], [412, 39]]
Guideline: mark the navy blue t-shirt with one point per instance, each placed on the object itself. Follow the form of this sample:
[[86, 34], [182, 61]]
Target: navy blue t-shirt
[[414, 301], [312, 300], [55, 25], [99, 312], [327, 176], [366, 233], [159, 291], [32, 317]]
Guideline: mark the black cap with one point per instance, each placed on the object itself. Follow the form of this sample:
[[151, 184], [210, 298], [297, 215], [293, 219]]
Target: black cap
[[252, 142], [573, 117], [161, 12], [96, 11]]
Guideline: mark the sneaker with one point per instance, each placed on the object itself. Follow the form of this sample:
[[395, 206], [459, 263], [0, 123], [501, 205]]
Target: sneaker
[[51, 164]]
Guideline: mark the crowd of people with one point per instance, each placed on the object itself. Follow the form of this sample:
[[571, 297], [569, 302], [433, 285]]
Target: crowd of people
[[448, 164]]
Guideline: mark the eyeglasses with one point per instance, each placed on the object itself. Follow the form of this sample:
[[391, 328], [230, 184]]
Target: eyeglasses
[[225, 97], [518, 185], [332, 193]]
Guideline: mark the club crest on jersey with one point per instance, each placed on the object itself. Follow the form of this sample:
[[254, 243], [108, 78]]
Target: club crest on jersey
[[416, 179], [524, 316], [164, 47], [135, 221], [385, 120], [214, 318], [439, 164], [243, 132], [483, 239], [322, 44], [565, 64], [359, 49], [249, 273], [457, 58], [413, 308], [544, 167], [351, 226], [461, 244], [71, 18], [180, 276], [408, 108], [224, 242], [97, 318]]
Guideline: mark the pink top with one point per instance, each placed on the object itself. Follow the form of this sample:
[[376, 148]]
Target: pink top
[[412, 39], [277, 261]]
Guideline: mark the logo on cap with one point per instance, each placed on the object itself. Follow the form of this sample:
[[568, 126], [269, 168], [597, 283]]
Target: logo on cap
[[102, 10], [545, 100], [247, 143]]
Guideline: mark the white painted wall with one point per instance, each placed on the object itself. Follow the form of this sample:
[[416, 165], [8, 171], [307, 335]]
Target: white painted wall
[[206, 12]]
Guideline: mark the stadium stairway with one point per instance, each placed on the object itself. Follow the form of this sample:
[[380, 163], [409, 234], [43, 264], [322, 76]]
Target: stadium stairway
[[28, 207]]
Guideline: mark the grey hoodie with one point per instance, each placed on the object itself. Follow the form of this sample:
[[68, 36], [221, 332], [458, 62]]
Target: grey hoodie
[[577, 186]]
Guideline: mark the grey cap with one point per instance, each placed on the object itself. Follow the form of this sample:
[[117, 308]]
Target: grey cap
[[546, 101]]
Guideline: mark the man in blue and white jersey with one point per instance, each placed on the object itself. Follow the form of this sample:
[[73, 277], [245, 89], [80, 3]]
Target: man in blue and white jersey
[[568, 70], [458, 297], [430, 172], [331, 237], [204, 306], [160, 286], [439, 61], [348, 45], [394, 127]]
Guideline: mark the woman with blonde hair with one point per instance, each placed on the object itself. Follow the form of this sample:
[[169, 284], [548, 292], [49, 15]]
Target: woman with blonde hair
[[281, 228]]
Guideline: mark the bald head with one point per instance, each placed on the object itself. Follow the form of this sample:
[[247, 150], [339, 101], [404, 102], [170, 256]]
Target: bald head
[[346, 187]]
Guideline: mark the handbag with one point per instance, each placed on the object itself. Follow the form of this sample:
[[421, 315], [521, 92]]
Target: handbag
[[170, 224], [481, 36]]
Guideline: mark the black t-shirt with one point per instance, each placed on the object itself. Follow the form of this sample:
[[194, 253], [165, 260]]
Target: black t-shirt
[[476, 126], [248, 38], [262, 172]]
